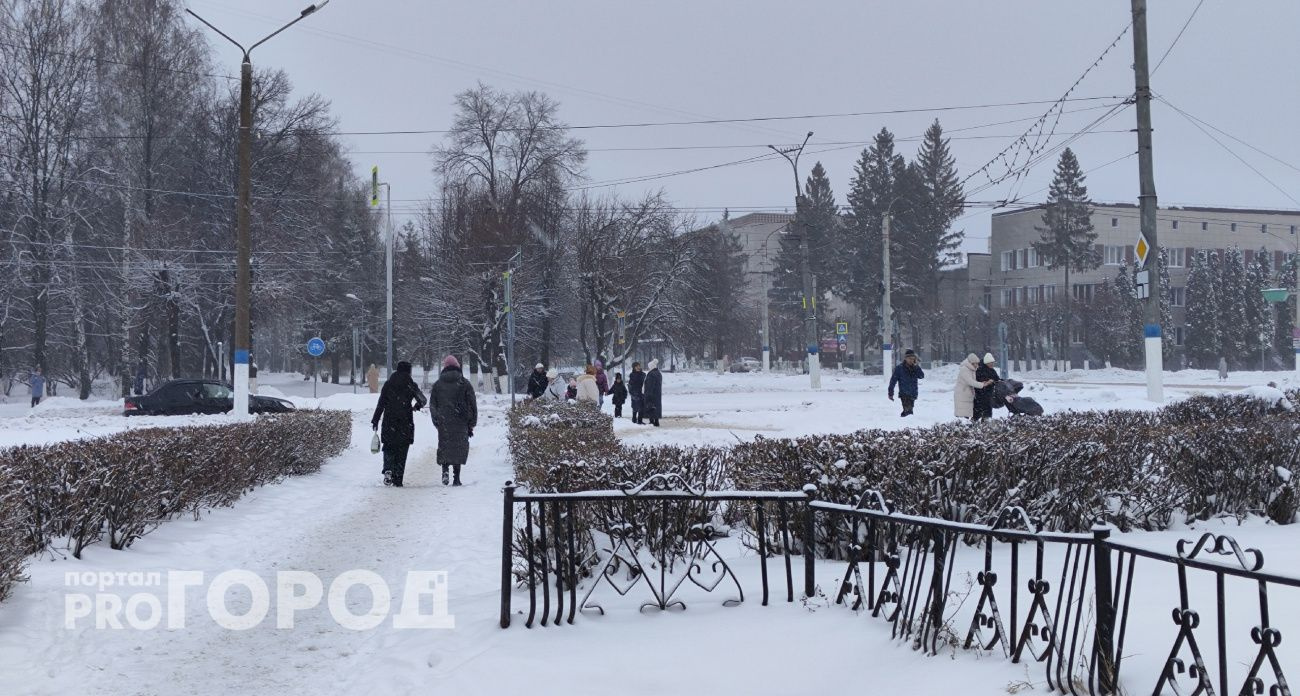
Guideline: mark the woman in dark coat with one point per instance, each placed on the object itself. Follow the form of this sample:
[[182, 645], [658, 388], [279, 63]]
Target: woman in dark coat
[[399, 424], [654, 393], [636, 390], [986, 372], [454, 410]]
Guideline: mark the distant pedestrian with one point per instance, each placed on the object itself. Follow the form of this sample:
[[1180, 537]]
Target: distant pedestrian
[[654, 394], [1223, 369], [537, 382], [588, 387], [454, 410], [372, 378], [906, 376], [986, 373], [602, 382], [37, 383], [963, 394], [398, 401], [618, 393], [635, 390], [141, 374], [554, 386]]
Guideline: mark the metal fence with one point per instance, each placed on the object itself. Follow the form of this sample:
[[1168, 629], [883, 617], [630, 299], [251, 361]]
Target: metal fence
[[1068, 602]]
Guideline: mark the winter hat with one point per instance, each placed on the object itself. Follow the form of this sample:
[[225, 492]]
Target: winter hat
[[908, 352], [988, 359], [654, 364], [404, 366], [450, 361], [973, 359], [552, 374], [598, 365], [539, 366]]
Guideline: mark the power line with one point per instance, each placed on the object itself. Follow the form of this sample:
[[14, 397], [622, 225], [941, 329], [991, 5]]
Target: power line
[[1179, 36], [1228, 135]]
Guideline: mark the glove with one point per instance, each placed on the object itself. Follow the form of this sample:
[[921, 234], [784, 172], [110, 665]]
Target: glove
[[471, 431], [891, 397], [374, 426]]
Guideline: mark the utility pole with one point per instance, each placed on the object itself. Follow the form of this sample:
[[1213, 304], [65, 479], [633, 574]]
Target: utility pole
[[1147, 201], [809, 295], [886, 306], [767, 327], [375, 183], [509, 276], [243, 210]]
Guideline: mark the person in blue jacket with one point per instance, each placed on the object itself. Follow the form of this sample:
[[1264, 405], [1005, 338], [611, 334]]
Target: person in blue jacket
[[906, 376]]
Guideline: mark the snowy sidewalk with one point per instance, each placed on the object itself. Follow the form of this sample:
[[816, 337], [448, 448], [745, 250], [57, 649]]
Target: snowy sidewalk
[[343, 519]]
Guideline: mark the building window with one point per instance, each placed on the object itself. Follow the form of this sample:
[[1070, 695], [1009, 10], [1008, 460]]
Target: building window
[[1175, 224], [1008, 298], [1082, 293], [1114, 255], [1050, 293], [1178, 335], [1234, 227], [1114, 222], [1008, 260], [1178, 297], [1177, 256], [1263, 229], [1205, 226], [1293, 229], [1022, 258]]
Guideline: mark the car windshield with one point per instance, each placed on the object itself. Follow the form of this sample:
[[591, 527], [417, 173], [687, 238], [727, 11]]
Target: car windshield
[[216, 391]]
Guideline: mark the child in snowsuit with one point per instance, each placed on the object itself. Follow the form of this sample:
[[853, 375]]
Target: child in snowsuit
[[619, 394]]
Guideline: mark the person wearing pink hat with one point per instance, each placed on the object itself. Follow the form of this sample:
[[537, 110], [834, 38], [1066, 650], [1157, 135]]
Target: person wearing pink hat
[[454, 410]]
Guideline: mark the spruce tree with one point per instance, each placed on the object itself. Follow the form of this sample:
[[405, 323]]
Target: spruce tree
[[939, 200], [820, 220], [1259, 315], [1232, 308], [1168, 344], [1066, 237], [1285, 278], [1202, 342]]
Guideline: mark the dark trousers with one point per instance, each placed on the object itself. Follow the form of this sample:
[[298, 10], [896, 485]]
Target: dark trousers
[[618, 410], [638, 405], [35, 400], [983, 410], [395, 461], [908, 402]]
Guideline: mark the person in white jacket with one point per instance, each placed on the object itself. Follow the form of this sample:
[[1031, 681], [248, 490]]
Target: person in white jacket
[[588, 389], [554, 386], [963, 394]]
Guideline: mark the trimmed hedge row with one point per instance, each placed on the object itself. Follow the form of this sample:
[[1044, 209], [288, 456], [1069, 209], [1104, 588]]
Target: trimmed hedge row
[[1199, 458], [124, 485]]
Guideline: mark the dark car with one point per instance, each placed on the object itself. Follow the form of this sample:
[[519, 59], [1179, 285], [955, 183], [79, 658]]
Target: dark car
[[186, 396]]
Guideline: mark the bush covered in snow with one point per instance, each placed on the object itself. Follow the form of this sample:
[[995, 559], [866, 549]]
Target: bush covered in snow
[[123, 485]]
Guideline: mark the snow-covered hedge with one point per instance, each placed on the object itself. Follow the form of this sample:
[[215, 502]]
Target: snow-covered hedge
[[122, 486]]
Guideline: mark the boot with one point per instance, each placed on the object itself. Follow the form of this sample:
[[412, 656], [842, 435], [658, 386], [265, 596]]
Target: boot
[[456, 480], [445, 476], [388, 477]]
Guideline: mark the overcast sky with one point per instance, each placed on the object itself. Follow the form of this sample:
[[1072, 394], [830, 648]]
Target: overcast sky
[[396, 65]]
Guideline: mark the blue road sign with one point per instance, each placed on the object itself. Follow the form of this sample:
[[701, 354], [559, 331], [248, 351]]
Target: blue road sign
[[315, 347]]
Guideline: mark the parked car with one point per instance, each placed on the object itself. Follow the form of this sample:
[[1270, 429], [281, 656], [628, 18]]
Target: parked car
[[186, 396], [747, 365]]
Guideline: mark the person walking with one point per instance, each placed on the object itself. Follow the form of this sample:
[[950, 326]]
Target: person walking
[[588, 387], [141, 374], [537, 382], [396, 410], [963, 394], [372, 378], [986, 373], [1223, 369], [554, 386], [906, 376], [454, 410], [602, 382], [618, 393], [636, 391], [37, 383], [654, 394]]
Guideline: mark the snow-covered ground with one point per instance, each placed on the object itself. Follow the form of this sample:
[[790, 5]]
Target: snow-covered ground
[[342, 519]]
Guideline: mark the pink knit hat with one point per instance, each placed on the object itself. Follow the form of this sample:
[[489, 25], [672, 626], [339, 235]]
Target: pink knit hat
[[450, 361]]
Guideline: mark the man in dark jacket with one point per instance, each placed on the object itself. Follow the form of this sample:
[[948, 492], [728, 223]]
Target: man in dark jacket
[[537, 382], [986, 372], [906, 377], [454, 410], [654, 394], [636, 390], [399, 424]]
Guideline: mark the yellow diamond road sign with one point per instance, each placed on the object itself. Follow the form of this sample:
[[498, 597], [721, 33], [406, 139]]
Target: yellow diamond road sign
[[1142, 249]]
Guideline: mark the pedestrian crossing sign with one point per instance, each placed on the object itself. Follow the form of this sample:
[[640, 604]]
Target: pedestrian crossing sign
[[841, 328]]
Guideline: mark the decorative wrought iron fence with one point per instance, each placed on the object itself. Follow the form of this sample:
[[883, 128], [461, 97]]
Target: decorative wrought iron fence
[[1067, 603]]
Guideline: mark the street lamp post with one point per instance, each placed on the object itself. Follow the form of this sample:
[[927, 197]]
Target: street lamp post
[[809, 297], [243, 209]]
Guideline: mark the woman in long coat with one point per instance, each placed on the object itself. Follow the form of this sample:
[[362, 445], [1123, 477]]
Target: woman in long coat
[[397, 412], [454, 410], [654, 394], [963, 394]]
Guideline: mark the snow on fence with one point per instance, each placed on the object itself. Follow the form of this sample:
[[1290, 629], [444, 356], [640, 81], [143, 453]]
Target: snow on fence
[[124, 485], [1072, 603]]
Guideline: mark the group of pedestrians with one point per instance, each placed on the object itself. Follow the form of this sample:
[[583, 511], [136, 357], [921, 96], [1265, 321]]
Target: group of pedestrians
[[453, 408], [972, 396], [643, 388]]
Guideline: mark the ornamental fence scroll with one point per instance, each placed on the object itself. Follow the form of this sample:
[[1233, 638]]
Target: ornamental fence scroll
[[1070, 602]]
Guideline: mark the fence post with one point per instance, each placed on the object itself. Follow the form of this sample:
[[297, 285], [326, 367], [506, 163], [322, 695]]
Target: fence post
[[809, 543], [1106, 676], [507, 552]]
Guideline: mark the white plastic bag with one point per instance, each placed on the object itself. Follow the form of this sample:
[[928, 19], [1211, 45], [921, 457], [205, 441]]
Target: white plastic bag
[[374, 443]]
